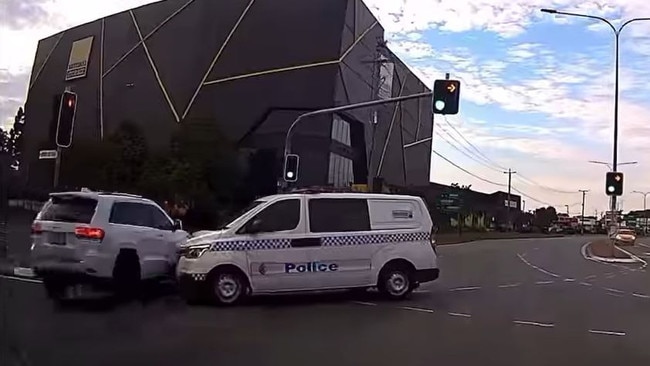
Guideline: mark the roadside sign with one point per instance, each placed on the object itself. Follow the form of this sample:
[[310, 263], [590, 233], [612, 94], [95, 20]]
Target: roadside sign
[[47, 154]]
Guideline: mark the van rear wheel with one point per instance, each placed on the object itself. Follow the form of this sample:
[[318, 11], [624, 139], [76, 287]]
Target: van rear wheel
[[396, 282]]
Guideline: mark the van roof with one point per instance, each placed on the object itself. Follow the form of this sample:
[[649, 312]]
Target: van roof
[[95, 195], [343, 195]]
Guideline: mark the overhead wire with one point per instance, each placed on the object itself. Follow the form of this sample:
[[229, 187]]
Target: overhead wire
[[494, 164], [469, 155]]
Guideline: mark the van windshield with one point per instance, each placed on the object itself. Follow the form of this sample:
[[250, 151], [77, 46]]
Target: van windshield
[[232, 218]]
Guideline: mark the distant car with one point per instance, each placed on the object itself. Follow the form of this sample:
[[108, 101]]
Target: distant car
[[91, 239], [624, 237]]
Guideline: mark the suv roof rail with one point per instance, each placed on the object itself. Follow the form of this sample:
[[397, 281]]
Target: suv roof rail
[[120, 194]]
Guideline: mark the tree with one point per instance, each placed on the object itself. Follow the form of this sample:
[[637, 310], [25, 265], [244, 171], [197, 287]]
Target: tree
[[11, 142], [544, 217]]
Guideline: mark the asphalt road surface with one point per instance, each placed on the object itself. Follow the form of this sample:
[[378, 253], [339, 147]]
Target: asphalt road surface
[[507, 302]]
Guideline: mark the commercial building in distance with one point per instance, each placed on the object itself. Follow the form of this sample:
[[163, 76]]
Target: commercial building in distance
[[248, 66]]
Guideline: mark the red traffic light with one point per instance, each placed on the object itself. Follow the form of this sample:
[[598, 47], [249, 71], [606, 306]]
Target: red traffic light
[[70, 100]]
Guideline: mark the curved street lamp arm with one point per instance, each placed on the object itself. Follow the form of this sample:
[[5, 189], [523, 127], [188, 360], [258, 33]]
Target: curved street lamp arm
[[592, 17], [630, 21]]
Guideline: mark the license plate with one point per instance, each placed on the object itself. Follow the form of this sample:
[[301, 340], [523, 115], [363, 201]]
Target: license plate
[[56, 238]]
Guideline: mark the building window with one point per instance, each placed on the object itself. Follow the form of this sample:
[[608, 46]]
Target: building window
[[386, 72], [341, 131], [341, 172]]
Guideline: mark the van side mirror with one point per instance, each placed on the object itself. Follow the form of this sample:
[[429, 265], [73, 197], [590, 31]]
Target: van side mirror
[[178, 225]]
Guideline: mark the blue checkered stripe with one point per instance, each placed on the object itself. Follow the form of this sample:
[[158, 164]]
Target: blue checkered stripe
[[368, 239], [241, 245]]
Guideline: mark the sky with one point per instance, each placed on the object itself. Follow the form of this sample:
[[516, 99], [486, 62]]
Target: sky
[[536, 95]]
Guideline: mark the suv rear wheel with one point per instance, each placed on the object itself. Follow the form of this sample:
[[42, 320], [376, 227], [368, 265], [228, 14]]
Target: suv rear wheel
[[126, 273]]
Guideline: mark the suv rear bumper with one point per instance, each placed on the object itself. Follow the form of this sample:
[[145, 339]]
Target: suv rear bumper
[[427, 275], [70, 274]]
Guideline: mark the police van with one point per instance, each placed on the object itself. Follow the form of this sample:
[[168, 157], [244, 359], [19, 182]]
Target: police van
[[313, 242]]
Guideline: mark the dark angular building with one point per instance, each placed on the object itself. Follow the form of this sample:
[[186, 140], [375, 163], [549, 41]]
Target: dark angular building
[[251, 66]]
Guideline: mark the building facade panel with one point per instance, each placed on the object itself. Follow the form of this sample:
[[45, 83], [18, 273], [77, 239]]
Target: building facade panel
[[285, 58]]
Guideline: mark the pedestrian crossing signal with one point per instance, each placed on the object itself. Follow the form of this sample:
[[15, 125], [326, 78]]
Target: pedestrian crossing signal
[[291, 162], [65, 121]]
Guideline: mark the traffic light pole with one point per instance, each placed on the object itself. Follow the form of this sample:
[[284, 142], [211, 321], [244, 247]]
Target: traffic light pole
[[287, 140], [57, 167]]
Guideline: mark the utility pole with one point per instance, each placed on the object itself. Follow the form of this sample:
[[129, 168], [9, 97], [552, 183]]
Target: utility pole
[[523, 205], [582, 215], [567, 209], [645, 211], [510, 172]]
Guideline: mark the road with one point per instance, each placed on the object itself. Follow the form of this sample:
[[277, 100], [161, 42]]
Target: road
[[501, 302]]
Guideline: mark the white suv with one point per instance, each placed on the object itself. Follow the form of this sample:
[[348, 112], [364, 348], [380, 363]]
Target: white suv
[[95, 238]]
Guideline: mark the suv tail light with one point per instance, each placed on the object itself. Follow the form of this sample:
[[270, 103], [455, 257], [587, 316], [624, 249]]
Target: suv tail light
[[37, 229], [84, 232]]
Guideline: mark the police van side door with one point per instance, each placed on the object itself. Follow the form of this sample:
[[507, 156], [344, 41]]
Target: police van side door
[[344, 259], [277, 248]]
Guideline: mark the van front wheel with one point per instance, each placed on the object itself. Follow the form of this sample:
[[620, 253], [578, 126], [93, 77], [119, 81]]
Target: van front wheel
[[395, 282]]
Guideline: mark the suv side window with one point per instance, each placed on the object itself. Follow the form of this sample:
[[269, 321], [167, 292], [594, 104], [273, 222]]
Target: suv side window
[[279, 216], [160, 220], [138, 214], [334, 215]]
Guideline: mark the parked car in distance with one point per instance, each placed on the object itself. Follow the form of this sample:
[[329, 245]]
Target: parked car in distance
[[624, 236]]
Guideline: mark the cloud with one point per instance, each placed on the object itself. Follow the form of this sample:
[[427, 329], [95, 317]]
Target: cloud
[[21, 14], [11, 97]]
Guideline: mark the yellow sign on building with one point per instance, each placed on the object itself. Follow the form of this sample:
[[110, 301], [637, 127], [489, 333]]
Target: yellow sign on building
[[78, 61]]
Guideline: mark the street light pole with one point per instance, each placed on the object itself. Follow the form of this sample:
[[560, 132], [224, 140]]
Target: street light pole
[[610, 166], [617, 33], [645, 212], [582, 214]]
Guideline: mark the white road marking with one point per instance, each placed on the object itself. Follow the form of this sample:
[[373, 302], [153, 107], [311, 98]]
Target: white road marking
[[460, 314], [416, 309], [421, 291], [465, 288], [613, 290], [537, 268], [613, 294], [644, 245], [23, 272], [22, 279], [586, 284], [364, 303], [569, 280], [636, 294], [590, 277], [543, 282], [510, 285], [524, 322], [606, 332]]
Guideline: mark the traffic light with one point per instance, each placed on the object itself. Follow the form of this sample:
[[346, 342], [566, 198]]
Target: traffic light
[[614, 184], [446, 96], [291, 167], [65, 122]]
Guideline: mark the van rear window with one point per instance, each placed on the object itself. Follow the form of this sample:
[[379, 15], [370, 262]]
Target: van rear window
[[69, 209]]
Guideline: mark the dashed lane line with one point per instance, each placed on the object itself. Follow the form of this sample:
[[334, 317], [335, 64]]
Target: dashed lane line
[[364, 303], [607, 332], [510, 285], [470, 288], [643, 296], [613, 290], [463, 315], [526, 322], [423, 310], [544, 282]]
